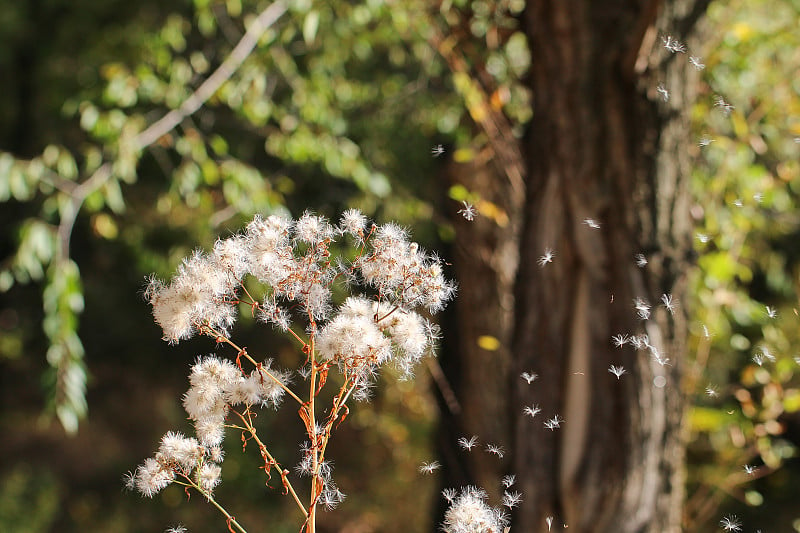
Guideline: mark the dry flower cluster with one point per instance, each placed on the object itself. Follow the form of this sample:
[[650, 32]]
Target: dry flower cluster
[[389, 280]]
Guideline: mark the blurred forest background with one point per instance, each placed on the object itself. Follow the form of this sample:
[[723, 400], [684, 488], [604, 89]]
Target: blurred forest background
[[341, 105]]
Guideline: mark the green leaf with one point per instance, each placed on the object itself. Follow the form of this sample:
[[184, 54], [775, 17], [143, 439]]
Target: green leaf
[[63, 301], [310, 26], [6, 280], [6, 165], [791, 401], [66, 166], [35, 250], [705, 419], [113, 196]]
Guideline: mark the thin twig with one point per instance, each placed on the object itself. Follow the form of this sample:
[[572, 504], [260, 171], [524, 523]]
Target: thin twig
[[218, 335], [165, 124], [230, 517], [312, 511], [240, 52], [341, 401], [448, 394], [263, 448]]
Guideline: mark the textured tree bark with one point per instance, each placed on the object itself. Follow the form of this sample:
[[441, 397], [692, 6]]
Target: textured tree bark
[[603, 145], [485, 258]]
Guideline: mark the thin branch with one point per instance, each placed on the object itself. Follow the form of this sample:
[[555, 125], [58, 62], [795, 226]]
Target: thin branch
[[492, 121], [315, 458], [240, 52], [70, 212], [230, 518], [271, 462], [174, 117], [220, 337], [448, 394], [341, 401]]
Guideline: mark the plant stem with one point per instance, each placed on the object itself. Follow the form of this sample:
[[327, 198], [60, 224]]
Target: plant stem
[[270, 460], [340, 402], [223, 338], [312, 510], [231, 519]]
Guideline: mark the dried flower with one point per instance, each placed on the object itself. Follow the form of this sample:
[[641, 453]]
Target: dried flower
[[292, 259], [151, 477], [353, 339], [731, 523], [469, 513], [468, 443], [508, 480], [468, 211], [532, 410], [429, 468], [208, 476], [592, 223], [547, 257], [617, 371], [696, 62], [673, 45], [179, 450], [553, 423], [496, 450], [403, 273]]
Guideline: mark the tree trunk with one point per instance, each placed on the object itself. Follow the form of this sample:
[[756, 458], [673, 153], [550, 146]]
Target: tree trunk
[[485, 258], [603, 145]]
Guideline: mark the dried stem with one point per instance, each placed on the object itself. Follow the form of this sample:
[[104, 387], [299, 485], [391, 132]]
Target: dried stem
[[230, 518], [341, 400], [270, 460], [312, 433], [165, 124]]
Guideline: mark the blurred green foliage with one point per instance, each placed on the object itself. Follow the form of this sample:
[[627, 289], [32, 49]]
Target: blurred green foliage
[[745, 423], [306, 106]]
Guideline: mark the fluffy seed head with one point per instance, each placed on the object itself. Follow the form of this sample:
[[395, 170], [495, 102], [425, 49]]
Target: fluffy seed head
[[353, 222], [353, 339], [469, 513], [152, 476], [208, 476], [180, 450]]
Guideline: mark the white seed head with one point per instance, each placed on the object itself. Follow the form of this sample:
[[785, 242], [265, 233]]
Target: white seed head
[[469, 513], [208, 476]]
